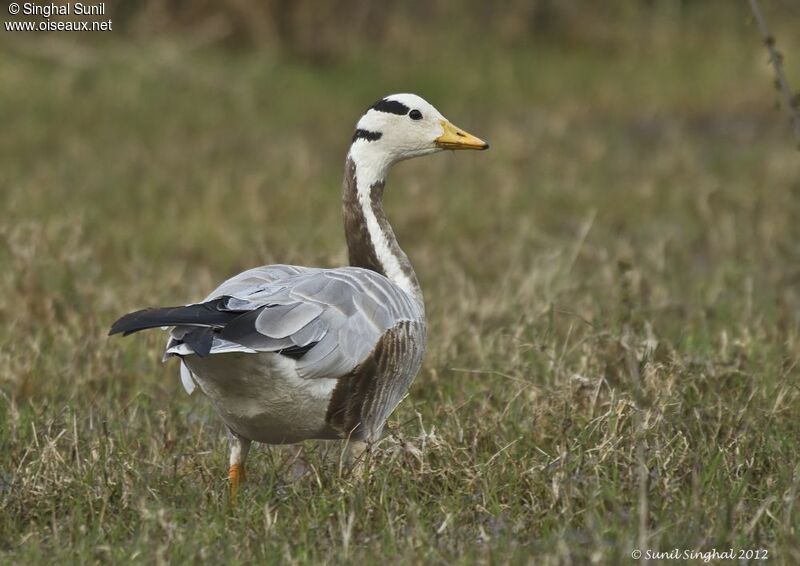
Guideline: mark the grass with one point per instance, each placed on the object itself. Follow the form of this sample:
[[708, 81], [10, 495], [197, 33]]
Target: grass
[[612, 293]]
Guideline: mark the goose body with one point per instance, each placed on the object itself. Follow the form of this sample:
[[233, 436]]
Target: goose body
[[285, 368], [289, 353]]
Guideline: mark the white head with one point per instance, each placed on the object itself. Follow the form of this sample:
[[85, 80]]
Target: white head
[[402, 126]]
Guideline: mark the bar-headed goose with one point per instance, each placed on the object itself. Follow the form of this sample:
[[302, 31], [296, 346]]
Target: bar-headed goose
[[288, 353]]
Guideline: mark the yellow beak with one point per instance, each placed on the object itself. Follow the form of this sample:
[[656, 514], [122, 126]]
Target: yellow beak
[[456, 138]]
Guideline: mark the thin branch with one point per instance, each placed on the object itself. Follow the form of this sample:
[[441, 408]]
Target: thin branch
[[776, 58]]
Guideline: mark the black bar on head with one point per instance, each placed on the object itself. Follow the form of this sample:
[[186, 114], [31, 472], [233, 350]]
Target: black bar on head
[[366, 135], [391, 106]]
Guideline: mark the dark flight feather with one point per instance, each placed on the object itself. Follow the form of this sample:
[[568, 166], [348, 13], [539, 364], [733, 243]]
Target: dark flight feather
[[297, 352], [208, 314], [210, 320]]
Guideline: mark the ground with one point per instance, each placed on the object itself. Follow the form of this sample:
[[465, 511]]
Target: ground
[[613, 295]]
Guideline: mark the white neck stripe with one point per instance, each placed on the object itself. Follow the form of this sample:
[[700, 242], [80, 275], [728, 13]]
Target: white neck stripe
[[370, 172], [380, 241]]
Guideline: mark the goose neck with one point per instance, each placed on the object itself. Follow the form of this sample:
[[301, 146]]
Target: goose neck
[[371, 242]]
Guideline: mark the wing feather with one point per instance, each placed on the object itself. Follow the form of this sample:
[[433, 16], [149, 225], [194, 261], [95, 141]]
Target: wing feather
[[284, 320], [341, 312]]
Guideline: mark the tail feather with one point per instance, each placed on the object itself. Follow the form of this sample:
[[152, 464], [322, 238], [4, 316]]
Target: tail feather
[[208, 314]]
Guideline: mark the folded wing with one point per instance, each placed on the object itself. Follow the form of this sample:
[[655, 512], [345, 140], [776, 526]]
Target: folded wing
[[329, 320]]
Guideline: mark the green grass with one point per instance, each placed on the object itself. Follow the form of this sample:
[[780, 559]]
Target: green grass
[[612, 292]]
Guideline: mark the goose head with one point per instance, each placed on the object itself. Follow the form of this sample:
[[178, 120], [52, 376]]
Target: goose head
[[402, 126]]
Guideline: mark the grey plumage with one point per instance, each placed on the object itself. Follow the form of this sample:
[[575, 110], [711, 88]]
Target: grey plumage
[[344, 311]]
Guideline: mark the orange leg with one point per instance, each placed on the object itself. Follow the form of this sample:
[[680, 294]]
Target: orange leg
[[235, 477], [239, 449]]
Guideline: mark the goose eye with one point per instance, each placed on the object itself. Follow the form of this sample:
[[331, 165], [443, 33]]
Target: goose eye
[[415, 115]]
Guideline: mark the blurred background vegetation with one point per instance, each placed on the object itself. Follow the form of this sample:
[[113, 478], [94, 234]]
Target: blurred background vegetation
[[613, 289], [322, 32]]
